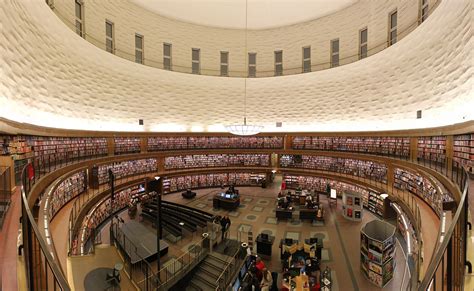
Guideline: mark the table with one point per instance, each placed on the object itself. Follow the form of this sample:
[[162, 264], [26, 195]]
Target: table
[[188, 194], [282, 213], [308, 214], [264, 246], [225, 203]]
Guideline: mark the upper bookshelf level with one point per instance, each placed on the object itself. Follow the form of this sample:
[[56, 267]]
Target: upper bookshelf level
[[432, 148], [388, 146], [214, 142], [127, 145], [217, 160], [464, 149], [361, 168]]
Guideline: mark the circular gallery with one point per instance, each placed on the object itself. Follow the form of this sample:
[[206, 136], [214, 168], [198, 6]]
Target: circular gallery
[[236, 145]]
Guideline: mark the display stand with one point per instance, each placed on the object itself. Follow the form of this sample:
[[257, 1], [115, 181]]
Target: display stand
[[326, 281], [377, 252], [352, 205], [332, 196]]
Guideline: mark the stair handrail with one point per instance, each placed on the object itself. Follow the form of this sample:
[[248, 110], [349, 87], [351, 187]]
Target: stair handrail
[[235, 258]]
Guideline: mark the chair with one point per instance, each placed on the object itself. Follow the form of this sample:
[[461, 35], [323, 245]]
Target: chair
[[114, 277]]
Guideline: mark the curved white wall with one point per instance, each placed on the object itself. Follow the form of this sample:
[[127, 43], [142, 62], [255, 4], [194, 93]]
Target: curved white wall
[[129, 18], [52, 77]]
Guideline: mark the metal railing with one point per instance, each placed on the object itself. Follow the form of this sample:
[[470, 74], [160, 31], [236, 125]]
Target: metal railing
[[295, 69], [234, 264]]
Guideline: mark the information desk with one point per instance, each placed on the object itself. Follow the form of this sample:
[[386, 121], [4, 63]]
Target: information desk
[[264, 246], [284, 213], [188, 194], [226, 201]]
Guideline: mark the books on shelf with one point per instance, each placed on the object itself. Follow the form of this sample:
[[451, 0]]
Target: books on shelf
[[432, 148], [389, 146], [127, 168], [68, 189], [463, 149], [362, 168], [216, 160], [127, 145], [178, 183], [214, 142]]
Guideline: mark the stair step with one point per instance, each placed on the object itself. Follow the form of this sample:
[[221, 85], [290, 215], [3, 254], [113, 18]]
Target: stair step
[[213, 265], [200, 283], [211, 271], [192, 287], [205, 277], [218, 258]]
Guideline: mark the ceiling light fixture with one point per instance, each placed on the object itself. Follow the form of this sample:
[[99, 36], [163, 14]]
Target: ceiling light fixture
[[245, 129]]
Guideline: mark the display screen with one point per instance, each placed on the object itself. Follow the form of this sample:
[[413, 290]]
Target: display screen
[[141, 188], [333, 193], [228, 196]]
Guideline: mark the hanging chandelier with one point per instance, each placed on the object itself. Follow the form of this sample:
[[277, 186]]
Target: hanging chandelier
[[244, 129]]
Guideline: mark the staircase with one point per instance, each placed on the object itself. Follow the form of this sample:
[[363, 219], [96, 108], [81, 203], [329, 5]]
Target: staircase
[[207, 273]]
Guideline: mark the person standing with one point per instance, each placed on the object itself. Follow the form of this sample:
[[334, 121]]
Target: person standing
[[266, 281]]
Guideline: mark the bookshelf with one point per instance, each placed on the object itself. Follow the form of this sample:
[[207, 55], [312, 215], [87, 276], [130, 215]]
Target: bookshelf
[[463, 148], [217, 160], [179, 183], [375, 203], [362, 168], [214, 142], [420, 186], [377, 252], [4, 142], [127, 145], [389, 146], [406, 229], [67, 190], [432, 148], [352, 205], [20, 149], [127, 168]]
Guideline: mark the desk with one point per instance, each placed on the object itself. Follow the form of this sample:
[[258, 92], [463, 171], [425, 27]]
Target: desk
[[225, 203], [188, 194], [264, 247], [282, 213], [308, 214]]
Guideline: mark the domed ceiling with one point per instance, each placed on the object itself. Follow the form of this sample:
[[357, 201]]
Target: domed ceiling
[[262, 14]]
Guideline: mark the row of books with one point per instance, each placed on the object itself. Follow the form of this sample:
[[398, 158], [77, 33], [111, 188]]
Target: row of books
[[360, 168], [127, 145], [68, 189], [464, 149], [179, 183], [214, 142], [127, 168], [391, 146], [432, 148], [420, 186], [216, 160]]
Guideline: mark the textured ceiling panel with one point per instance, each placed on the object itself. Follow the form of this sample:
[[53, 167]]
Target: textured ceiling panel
[[52, 77]]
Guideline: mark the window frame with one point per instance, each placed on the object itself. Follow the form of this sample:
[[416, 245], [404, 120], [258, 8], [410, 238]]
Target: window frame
[[79, 20], [363, 44], [169, 57], [110, 38], [391, 41], [424, 4], [198, 61], [333, 54], [306, 60], [278, 64], [253, 66], [224, 64], [141, 50]]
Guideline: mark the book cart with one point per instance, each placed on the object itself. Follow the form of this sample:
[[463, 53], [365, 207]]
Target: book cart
[[377, 252]]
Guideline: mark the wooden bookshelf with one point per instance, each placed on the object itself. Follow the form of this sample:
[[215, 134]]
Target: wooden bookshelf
[[127, 145], [432, 148], [214, 142], [179, 183], [67, 190], [463, 150], [217, 160], [361, 168], [388, 146], [127, 168]]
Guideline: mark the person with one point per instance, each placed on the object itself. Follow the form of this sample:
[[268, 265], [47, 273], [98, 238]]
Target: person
[[266, 281], [259, 265], [223, 223]]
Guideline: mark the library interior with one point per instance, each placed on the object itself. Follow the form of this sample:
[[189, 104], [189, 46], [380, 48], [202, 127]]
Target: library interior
[[152, 145]]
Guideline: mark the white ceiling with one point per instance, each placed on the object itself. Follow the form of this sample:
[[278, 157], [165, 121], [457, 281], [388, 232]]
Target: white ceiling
[[262, 14]]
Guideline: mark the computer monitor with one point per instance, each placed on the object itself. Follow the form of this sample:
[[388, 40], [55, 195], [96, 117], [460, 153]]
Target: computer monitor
[[264, 236], [222, 194], [294, 272], [228, 196], [288, 241]]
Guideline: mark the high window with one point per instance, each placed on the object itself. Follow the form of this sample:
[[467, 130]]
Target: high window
[[167, 56], [79, 18], [392, 34], [224, 63], [423, 10], [138, 48], [363, 43], [278, 63], [109, 37], [252, 64], [334, 53], [306, 59], [196, 64]]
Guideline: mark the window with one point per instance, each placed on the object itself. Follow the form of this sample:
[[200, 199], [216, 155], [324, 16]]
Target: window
[[252, 65], [167, 56], [363, 43], [392, 34], [423, 10], [306, 59], [196, 67], [79, 18], [138, 48], [278, 63], [109, 37], [224, 63], [334, 53]]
